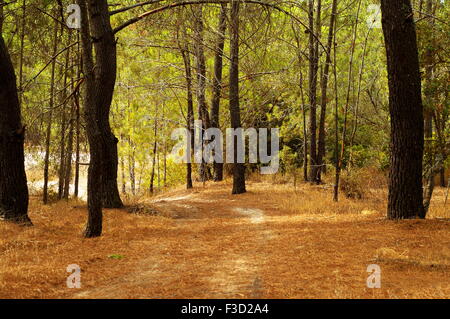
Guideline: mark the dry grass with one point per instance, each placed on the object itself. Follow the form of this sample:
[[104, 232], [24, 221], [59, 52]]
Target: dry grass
[[199, 245]]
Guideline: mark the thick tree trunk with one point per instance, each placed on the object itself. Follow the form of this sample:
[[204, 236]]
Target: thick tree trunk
[[235, 113], [111, 197], [406, 109], [13, 181], [217, 82], [100, 78], [104, 68]]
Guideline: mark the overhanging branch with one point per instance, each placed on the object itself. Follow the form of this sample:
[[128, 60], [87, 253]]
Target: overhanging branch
[[186, 3]]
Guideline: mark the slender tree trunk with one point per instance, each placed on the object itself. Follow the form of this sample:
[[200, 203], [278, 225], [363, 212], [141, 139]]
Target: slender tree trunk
[[50, 115], [235, 113], [77, 144], [305, 131], [324, 98], [190, 110], [122, 170], [431, 167], [62, 160], [336, 123], [217, 82], [302, 97], [406, 109], [76, 99], [132, 166], [358, 97], [68, 159], [349, 87], [155, 149], [22, 47], [13, 180], [203, 113], [313, 71]]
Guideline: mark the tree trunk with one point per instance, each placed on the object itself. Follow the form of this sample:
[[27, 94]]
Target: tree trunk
[[76, 98], [336, 124], [99, 88], [324, 98], [190, 109], [13, 180], [217, 82], [155, 148], [203, 113], [62, 175], [406, 110], [68, 160], [111, 196], [50, 115], [235, 113], [349, 87], [313, 71]]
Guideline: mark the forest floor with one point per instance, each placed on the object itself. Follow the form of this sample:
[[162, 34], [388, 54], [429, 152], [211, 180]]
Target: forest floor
[[272, 242]]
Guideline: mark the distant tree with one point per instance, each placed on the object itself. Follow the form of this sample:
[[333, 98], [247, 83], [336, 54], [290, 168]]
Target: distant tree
[[406, 109]]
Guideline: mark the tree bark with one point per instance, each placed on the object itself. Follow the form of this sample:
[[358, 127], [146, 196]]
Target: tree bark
[[190, 108], [313, 71], [405, 199], [203, 114], [235, 113], [48, 134], [100, 78], [13, 180], [324, 98]]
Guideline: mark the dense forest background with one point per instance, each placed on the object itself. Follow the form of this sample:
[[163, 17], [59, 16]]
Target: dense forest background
[[326, 90], [92, 90]]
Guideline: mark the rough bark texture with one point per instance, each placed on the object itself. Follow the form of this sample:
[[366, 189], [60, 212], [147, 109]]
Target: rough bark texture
[[13, 181], [100, 77], [235, 113], [111, 196], [101, 84], [406, 110]]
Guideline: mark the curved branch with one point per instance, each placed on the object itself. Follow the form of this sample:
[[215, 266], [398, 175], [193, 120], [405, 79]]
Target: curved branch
[[185, 3]]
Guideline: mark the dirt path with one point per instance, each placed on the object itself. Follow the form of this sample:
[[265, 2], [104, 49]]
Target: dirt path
[[267, 243], [232, 273]]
